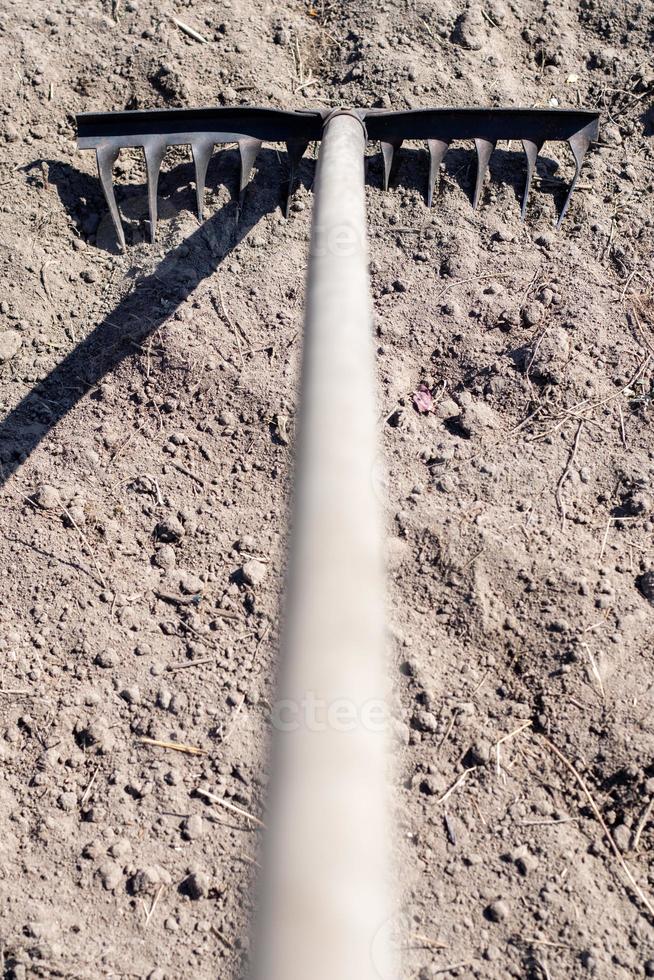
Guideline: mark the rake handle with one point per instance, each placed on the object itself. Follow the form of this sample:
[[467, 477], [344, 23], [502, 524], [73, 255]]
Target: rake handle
[[325, 882]]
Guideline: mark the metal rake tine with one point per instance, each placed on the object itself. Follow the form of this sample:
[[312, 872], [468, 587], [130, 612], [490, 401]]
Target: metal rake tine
[[388, 149], [579, 143], [532, 149], [201, 150], [296, 150], [437, 150], [106, 155], [484, 152], [248, 147], [154, 150]]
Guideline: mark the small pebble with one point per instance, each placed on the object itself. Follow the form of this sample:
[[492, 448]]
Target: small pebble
[[131, 694], [193, 827], [425, 721], [165, 557], [110, 875], [121, 849], [145, 880], [510, 317], [170, 530], [197, 885], [645, 584], [588, 961], [10, 343], [228, 418], [430, 786], [497, 911], [164, 698], [190, 584], [107, 658], [479, 753], [526, 863], [544, 239], [48, 497], [447, 408], [67, 801], [622, 837], [532, 314], [253, 572]]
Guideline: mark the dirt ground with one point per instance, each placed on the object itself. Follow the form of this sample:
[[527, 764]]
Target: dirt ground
[[147, 404]]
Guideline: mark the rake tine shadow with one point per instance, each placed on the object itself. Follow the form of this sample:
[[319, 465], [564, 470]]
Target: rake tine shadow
[[108, 345]]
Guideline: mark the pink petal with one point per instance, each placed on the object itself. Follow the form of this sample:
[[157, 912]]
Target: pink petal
[[422, 400]]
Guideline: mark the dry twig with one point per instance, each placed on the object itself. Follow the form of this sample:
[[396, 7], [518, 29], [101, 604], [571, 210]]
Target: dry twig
[[505, 738], [189, 31], [594, 669], [186, 472], [153, 906], [174, 746], [455, 785], [212, 798], [600, 819], [568, 466], [189, 663]]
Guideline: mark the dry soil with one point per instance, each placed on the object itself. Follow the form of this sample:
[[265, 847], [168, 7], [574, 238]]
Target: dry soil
[[147, 405]]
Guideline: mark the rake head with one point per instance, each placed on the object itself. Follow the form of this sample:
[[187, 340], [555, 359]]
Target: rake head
[[156, 129]]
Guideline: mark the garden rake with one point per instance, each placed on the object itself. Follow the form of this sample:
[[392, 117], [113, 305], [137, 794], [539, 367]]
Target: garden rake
[[326, 897], [156, 129]]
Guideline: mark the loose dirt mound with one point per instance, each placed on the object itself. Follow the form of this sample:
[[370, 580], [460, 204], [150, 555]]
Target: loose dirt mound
[[148, 406]]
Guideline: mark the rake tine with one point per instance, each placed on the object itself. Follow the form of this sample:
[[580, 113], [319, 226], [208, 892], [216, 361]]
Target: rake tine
[[154, 150], [484, 152], [579, 143], [106, 155], [388, 149], [248, 147], [201, 151], [532, 149], [437, 150], [296, 150]]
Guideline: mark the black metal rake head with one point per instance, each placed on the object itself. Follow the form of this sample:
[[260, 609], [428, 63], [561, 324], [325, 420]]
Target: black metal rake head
[[156, 129]]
